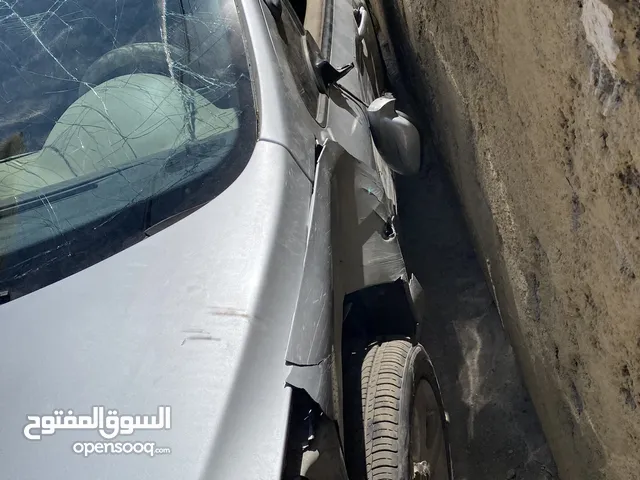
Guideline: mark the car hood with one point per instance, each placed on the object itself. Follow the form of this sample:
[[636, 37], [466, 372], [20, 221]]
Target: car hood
[[197, 317]]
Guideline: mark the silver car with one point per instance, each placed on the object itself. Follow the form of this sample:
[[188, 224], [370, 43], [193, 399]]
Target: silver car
[[200, 274]]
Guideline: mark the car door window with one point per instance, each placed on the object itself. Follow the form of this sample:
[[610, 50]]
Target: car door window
[[292, 33], [311, 15]]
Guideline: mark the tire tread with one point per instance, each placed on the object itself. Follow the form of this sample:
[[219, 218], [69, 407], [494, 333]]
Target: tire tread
[[382, 377]]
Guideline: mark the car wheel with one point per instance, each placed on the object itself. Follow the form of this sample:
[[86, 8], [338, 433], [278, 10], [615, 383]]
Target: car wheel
[[403, 421]]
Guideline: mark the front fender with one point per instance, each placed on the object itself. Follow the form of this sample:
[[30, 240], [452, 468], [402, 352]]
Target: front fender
[[351, 245]]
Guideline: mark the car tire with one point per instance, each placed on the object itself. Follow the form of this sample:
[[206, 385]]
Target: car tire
[[404, 426]]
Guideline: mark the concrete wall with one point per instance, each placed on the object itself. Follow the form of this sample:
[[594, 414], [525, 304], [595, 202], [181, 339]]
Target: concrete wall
[[534, 105]]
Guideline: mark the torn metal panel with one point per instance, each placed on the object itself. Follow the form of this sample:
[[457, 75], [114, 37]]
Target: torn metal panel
[[312, 330], [367, 253], [323, 459], [316, 381], [314, 449], [349, 247]]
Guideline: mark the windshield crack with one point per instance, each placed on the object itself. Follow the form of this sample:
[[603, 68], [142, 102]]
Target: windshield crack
[[109, 113]]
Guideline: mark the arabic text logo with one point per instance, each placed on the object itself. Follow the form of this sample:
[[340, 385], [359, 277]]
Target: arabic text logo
[[108, 426]]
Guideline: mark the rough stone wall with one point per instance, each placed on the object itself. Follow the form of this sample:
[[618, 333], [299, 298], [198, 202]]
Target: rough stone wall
[[535, 108]]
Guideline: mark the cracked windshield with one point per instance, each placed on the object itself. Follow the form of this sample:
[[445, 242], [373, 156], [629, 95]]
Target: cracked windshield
[[117, 118]]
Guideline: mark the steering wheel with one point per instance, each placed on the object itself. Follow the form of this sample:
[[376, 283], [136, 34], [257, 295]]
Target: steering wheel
[[148, 57]]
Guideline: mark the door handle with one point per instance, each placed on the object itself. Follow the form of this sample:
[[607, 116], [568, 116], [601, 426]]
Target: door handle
[[363, 21], [366, 36]]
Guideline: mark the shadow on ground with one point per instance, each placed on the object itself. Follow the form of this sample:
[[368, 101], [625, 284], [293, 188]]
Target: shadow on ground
[[494, 429]]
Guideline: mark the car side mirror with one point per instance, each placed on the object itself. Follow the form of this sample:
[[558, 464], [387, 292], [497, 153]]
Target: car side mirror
[[395, 136]]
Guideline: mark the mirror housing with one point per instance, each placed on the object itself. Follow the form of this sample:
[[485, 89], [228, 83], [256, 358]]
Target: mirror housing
[[395, 136]]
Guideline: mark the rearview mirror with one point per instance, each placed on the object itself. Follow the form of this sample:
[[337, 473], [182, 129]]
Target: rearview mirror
[[395, 136]]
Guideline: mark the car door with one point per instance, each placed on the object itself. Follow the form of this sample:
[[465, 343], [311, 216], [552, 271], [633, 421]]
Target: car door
[[354, 40]]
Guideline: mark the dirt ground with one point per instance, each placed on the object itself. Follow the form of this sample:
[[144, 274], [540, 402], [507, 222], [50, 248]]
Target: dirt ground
[[495, 433], [534, 109]]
